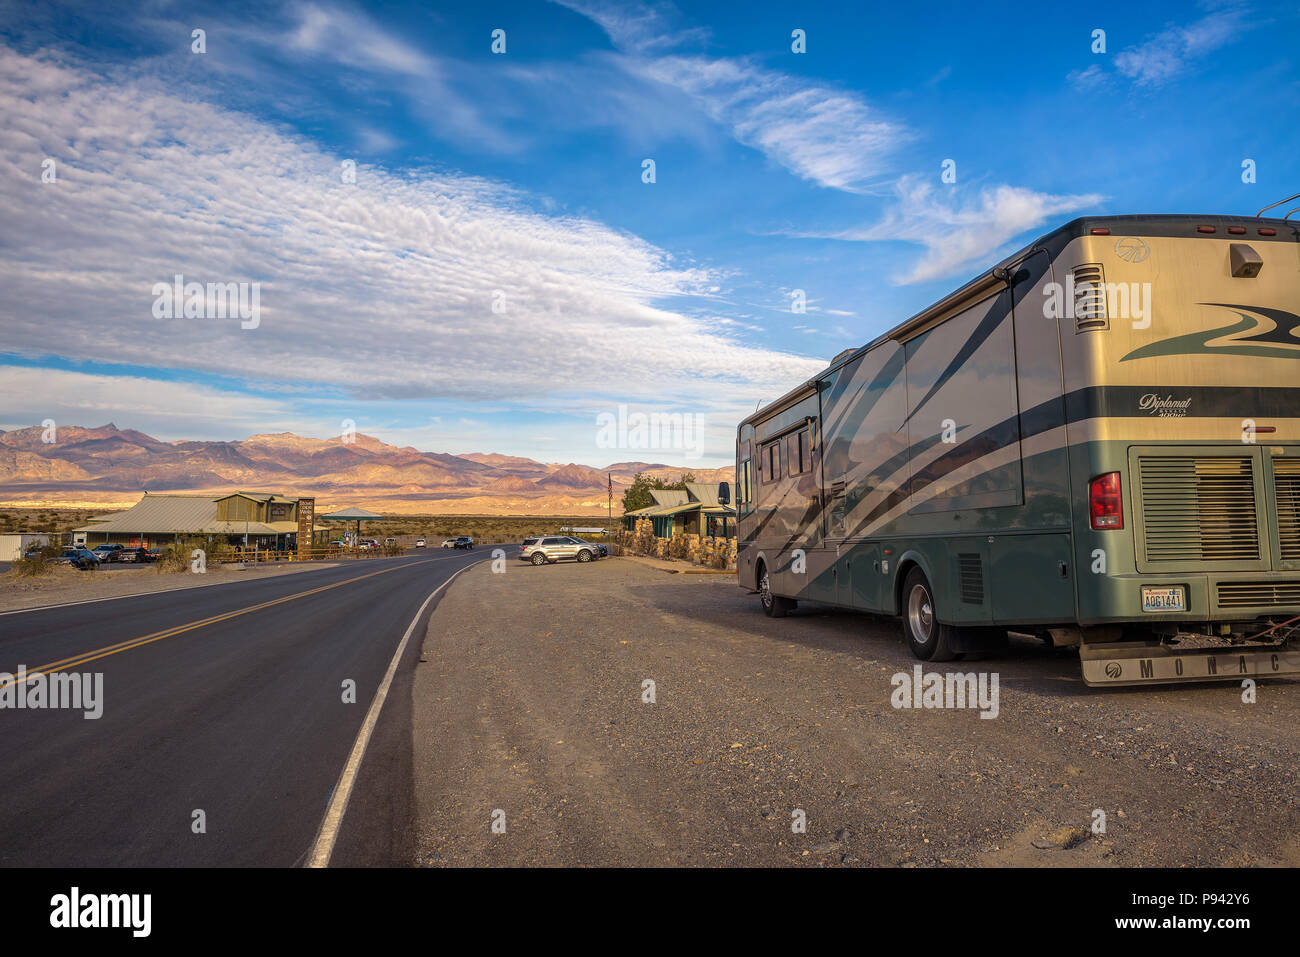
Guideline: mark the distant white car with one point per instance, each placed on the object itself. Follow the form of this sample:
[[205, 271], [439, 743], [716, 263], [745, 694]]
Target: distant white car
[[449, 543], [420, 543]]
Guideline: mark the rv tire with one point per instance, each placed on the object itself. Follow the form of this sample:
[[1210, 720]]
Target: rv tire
[[927, 637], [774, 606]]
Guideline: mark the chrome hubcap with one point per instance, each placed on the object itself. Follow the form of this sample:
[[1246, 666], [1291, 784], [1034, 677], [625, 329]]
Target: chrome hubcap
[[920, 614]]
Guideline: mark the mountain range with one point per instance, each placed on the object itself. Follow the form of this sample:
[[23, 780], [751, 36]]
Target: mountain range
[[110, 467]]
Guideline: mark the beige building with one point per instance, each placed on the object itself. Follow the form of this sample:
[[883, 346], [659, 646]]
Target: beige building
[[268, 521]]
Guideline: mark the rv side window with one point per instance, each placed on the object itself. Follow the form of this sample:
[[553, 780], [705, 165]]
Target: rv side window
[[797, 457], [769, 462], [742, 484]]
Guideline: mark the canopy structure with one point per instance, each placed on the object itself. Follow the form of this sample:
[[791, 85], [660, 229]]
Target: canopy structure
[[357, 515]]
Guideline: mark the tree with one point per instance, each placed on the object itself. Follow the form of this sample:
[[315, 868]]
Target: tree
[[638, 494]]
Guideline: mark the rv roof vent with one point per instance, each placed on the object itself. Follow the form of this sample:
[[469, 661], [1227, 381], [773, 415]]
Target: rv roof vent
[[843, 355], [1089, 297]]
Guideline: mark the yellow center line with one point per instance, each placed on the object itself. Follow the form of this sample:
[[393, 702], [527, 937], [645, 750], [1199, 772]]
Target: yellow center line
[[127, 645]]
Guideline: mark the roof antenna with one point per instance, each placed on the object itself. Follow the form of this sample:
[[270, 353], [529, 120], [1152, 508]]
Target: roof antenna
[[1278, 203]]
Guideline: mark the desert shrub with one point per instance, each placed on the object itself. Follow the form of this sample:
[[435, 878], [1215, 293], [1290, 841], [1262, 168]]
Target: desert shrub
[[37, 562], [172, 562]]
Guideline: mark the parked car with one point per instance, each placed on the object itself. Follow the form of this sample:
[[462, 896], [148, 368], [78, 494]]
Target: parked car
[[107, 553], [82, 558], [390, 542], [420, 543], [554, 548], [155, 554], [133, 554]]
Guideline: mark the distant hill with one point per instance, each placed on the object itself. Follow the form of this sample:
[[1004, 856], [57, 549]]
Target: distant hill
[[108, 467]]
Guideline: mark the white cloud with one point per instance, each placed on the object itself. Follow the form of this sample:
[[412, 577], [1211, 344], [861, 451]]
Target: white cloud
[[829, 136], [957, 233], [351, 38], [384, 288], [166, 410], [1166, 54]]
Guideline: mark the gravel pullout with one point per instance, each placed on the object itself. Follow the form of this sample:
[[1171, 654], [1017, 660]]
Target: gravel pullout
[[529, 701]]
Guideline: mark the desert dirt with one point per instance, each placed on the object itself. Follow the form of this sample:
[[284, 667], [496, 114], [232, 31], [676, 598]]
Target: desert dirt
[[529, 701], [62, 584]]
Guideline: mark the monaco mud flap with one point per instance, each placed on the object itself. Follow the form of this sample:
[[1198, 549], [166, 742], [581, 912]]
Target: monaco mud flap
[[1142, 663]]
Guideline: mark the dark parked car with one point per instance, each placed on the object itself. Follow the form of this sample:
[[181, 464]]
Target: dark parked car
[[463, 541], [81, 558], [135, 554]]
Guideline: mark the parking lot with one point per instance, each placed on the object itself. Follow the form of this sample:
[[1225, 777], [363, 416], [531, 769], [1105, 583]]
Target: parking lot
[[531, 700]]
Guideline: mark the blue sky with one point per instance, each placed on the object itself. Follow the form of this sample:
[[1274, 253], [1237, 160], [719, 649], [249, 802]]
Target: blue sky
[[516, 179]]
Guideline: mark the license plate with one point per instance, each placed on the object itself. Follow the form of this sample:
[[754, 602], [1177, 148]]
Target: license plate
[[1164, 599]]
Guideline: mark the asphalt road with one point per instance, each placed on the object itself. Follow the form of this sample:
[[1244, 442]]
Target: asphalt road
[[241, 718]]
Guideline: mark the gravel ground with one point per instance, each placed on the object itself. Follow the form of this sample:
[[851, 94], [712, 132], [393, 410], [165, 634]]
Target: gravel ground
[[529, 700], [64, 584]]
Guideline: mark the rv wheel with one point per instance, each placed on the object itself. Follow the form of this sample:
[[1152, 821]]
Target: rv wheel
[[926, 636], [774, 606]]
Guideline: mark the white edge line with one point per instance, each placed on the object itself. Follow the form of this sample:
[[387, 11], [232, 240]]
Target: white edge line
[[323, 847]]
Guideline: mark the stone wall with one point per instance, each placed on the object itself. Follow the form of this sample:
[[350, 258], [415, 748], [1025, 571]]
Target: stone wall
[[698, 550]]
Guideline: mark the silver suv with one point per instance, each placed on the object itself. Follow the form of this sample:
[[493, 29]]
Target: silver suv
[[554, 548]]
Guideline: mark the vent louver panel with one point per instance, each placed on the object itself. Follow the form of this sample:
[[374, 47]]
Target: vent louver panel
[[1259, 594], [971, 570], [1286, 479], [1199, 508], [1089, 297]]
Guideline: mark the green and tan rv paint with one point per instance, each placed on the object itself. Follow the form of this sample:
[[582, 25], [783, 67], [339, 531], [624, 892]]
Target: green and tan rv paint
[[1033, 404]]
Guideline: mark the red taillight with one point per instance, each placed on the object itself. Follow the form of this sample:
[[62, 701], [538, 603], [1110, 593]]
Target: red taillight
[[1105, 505], [1205, 229]]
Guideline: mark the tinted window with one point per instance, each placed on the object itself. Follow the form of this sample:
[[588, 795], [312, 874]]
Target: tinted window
[[550, 541], [796, 453]]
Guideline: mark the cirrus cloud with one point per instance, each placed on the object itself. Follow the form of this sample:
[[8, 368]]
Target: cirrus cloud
[[384, 287]]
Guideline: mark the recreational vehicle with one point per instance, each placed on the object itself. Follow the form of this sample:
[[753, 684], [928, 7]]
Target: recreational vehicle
[[1096, 442]]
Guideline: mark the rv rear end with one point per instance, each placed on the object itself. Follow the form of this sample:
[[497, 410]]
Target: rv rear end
[[1180, 341]]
